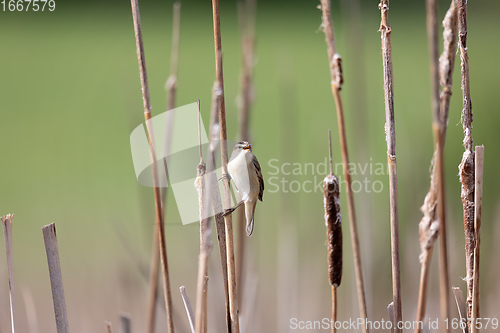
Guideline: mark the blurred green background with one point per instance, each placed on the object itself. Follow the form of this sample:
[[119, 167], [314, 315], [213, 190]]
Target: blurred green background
[[70, 96]]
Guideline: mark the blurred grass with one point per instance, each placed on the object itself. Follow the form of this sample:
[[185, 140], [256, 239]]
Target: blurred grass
[[70, 96]]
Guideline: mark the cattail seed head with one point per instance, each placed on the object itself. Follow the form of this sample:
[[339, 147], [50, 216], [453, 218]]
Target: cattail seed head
[[333, 221]]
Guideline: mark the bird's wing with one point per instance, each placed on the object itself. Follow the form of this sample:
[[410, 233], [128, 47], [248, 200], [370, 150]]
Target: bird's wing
[[259, 175]]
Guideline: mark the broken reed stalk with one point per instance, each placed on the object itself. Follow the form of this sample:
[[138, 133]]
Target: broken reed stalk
[[246, 17], [466, 167], [334, 61], [171, 87], [390, 310], [231, 269], [390, 132], [158, 203], [7, 234], [205, 241], [56, 283], [188, 307], [333, 222], [429, 225], [478, 204]]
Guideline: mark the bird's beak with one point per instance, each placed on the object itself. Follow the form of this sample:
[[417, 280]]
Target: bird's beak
[[247, 147]]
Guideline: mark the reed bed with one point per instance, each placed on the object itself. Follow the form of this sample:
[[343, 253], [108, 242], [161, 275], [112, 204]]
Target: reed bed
[[211, 202]]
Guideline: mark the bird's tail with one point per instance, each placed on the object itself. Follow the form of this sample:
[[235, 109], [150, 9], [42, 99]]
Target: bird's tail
[[249, 213]]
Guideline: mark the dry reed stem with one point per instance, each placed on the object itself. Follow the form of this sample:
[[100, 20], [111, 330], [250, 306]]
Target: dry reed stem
[[56, 283], [432, 36], [334, 308], [202, 296], [153, 282], [461, 306], [446, 66], [390, 132], [171, 88], [447, 60], [231, 269], [444, 279], [478, 204], [425, 268], [334, 61], [467, 178], [125, 323], [240, 254], [158, 203], [334, 58], [246, 17], [213, 190], [171, 84], [429, 224], [205, 241], [351, 12], [466, 167], [7, 234], [188, 307]]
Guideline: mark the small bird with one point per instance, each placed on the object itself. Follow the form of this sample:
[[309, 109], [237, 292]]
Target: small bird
[[244, 170]]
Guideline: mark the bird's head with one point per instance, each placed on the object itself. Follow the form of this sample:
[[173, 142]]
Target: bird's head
[[243, 146]]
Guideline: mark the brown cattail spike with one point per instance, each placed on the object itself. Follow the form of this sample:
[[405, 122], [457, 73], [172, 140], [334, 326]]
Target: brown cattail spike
[[333, 222]]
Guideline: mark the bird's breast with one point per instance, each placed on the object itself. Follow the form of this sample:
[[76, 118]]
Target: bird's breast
[[240, 169]]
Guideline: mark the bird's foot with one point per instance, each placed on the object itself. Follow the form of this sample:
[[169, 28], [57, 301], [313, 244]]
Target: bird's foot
[[228, 211], [225, 176]]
